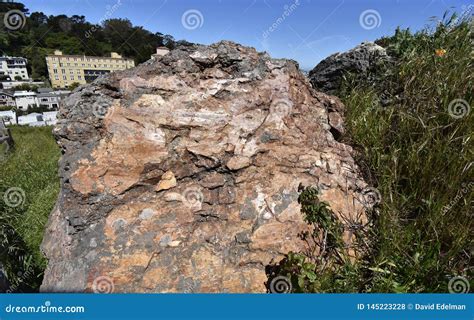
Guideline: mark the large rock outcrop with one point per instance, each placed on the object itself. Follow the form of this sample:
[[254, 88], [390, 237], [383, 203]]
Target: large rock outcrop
[[362, 60], [182, 174]]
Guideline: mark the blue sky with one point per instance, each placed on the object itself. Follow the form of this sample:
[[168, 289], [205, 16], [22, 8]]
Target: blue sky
[[304, 30]]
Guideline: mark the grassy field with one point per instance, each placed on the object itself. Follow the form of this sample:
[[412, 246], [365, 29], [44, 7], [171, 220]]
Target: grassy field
[[417, 150], [29, 185]]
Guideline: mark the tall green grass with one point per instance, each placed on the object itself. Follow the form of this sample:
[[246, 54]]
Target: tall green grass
[[412, 129], [420, 156], [31, 168]]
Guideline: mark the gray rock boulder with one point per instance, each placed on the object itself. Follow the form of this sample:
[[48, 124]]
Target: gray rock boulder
[[362, 60]]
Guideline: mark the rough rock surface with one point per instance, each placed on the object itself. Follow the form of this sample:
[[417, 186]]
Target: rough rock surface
[[182, 174], [327, 75]]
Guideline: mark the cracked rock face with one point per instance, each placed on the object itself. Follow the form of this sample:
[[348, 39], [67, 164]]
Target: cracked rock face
[[182, 174]]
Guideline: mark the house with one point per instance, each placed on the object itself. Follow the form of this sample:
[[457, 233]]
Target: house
[[50, 99], [9, 117], [7, 99], [50, 117], [32, 119], [25, 100], [160, 51], [14, 68]]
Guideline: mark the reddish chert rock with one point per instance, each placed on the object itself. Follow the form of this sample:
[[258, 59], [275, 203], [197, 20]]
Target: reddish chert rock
[[181, 175]]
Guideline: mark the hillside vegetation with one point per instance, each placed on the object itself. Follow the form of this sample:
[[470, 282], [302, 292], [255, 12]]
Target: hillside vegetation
[[42, 34], [417, 150]]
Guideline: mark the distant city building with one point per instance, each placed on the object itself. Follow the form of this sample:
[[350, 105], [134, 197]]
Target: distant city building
[[8, 117], [50, 99], [13, 84], [25, 100], [50, 117], [161, 51], [7, 99], [65, 70], [32, 119], [14, 67]]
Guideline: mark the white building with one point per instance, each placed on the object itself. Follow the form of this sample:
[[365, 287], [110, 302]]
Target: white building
[[25, 99], [13, 67], [160, 51], [32, 119], [51, 99], [7, 99], [9, 117], [13, 84], [50, 117]]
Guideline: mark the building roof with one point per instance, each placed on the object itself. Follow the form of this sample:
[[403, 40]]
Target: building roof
[[6, 93], [93, 57], [24, 93], [29, 115]]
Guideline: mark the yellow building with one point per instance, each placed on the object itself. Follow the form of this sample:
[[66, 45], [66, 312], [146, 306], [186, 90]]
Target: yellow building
[[64, 70]]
